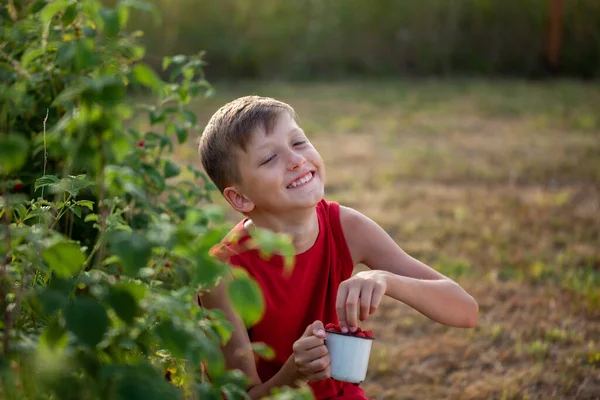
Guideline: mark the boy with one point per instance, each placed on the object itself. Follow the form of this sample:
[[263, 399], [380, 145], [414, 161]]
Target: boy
[[266, 168]]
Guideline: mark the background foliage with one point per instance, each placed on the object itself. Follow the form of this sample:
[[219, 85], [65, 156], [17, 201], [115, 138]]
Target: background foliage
[[309, 39]]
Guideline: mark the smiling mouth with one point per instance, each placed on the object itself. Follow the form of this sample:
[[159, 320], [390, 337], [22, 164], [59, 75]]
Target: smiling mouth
[[302, 180]]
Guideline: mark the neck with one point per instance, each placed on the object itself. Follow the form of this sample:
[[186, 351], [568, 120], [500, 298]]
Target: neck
[[302, 226]]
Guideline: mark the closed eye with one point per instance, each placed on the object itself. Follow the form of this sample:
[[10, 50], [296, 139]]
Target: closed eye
[[268, 160], [299, 143]]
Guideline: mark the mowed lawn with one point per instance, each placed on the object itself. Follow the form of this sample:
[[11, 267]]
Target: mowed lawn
[[497, 185]]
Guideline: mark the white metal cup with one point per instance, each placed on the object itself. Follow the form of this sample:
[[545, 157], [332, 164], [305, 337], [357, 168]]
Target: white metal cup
[[349, 356]]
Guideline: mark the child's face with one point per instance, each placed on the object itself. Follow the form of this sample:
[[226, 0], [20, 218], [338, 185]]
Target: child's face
[[281, 171]]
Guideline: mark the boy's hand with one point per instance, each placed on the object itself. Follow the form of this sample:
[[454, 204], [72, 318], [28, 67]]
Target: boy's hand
[[359, 297], [311, 355]]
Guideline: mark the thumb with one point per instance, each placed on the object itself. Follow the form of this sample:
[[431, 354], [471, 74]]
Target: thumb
[[318, 329], [315, 329]]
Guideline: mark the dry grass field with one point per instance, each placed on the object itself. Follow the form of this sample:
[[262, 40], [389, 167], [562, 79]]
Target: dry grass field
[[495, 184]]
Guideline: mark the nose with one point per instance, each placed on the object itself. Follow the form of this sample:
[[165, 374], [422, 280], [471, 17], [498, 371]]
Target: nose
[[295, 160]]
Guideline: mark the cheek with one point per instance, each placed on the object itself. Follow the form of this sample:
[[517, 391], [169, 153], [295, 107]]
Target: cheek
[[314, 156]]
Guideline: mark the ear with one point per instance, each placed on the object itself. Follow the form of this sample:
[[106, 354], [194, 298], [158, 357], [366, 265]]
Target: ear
[[238, 200]]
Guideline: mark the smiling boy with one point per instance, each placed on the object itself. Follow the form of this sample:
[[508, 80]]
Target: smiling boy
[[267, 169]]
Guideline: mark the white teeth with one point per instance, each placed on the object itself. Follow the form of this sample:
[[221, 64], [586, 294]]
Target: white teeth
[[302, 180]]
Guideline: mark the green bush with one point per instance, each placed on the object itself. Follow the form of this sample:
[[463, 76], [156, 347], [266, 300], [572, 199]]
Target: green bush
[[104, 239]]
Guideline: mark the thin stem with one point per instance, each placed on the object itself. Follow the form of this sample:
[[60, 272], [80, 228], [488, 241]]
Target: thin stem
[[62, 212], [45, 149], [103, 209]]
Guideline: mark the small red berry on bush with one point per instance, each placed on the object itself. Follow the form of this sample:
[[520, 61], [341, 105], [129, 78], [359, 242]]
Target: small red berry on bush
[[168, 264], [141, 143], [18, 187]]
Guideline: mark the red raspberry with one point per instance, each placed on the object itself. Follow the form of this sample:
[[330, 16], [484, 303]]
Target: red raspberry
[[141, 143], [168, 264], [18, 187], [333, 327], [360, 334], [368, 334]]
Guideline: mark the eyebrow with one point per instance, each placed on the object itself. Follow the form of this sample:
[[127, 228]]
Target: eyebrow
[[292, 131]]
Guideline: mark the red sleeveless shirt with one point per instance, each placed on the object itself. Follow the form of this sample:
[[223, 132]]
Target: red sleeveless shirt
[[293, 302]]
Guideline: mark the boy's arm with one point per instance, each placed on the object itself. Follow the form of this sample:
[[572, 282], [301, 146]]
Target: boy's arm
[[398, 275], [238, 351]]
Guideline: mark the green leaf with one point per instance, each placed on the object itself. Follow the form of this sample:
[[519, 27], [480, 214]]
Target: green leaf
[[155, 177], [110, 19], [156, 117], [13, 153], [215, 361], [21, 212], [86, 203], [123, 15], [182, 134], [132, 248], [137, 290], [263, 350], [171, 169], [173, 338], [76, 210], [234, 392], [138, 382], [91, 217], [190, 117], [145, 75], [207, 269], [87, 320], [64, 258], [51, 9], [124, 304], [54, 336], [135, 191], [184, 95], [120, 148], [52, 301], [65, 54], [166, 62], [69, 15], [206, 391], [246, 297], [69, 93], [107, 90], [85, 56], [74, 184], [45, 181], [89, 32], [31, 54]]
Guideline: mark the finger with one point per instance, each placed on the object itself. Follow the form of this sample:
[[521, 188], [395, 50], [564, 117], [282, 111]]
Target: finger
[[365, 302], [320, 364], [307, 343], [307, 331], [378, 293], [314, 354], [340, 306], [352, 308], [321, 375], [318, 329]]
